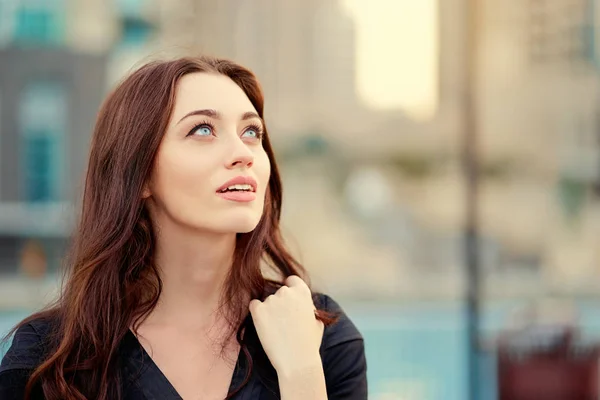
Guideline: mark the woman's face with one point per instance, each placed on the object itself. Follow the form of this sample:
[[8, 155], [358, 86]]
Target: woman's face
[[211, 171]]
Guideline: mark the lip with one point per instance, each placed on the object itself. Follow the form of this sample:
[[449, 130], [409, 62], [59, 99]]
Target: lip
[[240, 197], [239, 180]]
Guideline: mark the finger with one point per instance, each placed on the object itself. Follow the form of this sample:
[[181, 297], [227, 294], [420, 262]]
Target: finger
[[254, 304], [282, 290], [294, 280], [269, 299]]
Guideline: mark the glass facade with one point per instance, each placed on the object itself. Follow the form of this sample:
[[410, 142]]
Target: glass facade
[[135, 32], [135, 29], [31, 22], [42, 126]]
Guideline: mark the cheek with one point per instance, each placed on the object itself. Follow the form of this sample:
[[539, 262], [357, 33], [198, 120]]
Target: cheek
[[178, 176], [262, 166]]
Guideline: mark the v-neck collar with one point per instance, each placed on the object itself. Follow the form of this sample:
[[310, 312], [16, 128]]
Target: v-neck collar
[[149, 378]]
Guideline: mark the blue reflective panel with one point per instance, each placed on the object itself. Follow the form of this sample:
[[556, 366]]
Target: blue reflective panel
[[42, 126], [136, 32], [39, 167], [36, 25]]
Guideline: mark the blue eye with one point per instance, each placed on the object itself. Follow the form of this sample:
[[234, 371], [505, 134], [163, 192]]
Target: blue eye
[[253, 132], [203, 130]]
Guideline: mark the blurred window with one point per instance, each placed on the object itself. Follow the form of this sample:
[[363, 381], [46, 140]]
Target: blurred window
[[35, 24], [1, 136], [136, 31], [42, 125], [561, 30]]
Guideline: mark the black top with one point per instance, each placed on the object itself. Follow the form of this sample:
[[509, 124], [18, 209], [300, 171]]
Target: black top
[[342, 354]]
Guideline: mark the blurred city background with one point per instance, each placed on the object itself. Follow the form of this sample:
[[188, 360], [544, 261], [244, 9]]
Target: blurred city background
[[376, 109]]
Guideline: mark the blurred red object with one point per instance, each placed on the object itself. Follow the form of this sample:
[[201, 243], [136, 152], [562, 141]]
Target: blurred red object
[[546, 364], [34, 262]]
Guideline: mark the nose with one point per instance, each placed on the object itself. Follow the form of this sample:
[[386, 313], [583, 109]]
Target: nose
[[241, 156]]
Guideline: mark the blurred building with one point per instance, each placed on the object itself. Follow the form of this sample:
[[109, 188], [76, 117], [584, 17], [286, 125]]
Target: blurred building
[[54, 67], [537, 116], [301, 51], [538, 103], [537, 123]]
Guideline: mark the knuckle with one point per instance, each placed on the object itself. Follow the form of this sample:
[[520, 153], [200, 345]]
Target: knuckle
[[254, 304], [269, 299], [283, 290]]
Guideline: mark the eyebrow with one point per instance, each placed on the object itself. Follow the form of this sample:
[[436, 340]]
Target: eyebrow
[[217, 115]]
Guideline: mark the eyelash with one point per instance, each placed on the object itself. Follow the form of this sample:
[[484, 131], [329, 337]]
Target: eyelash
[[255, 127], [200, 125]]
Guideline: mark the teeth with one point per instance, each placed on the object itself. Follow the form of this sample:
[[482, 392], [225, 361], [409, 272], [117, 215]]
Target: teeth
[[240, 187]]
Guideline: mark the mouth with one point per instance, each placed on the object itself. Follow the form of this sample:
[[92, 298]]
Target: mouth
[[238, 188], [239, 184]]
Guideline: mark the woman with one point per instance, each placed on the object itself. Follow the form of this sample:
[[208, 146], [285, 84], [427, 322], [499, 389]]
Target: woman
[[165, 298]]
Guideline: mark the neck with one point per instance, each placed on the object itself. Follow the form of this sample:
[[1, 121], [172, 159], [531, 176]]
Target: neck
[[194, 266]]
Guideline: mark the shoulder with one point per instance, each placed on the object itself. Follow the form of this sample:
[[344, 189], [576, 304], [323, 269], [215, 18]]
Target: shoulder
[[29, 345], [342, 353], [341, 331]]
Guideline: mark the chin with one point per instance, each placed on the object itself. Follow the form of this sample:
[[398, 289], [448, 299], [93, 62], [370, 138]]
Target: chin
[[240, 223], [246, 229]]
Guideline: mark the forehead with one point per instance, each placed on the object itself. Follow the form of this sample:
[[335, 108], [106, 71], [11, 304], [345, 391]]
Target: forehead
[[201, 90]]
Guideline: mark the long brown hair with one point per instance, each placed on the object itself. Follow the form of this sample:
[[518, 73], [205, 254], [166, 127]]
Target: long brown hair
[[112, 282]]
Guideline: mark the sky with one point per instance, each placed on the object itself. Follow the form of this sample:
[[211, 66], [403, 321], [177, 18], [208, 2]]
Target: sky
[[397, 54]]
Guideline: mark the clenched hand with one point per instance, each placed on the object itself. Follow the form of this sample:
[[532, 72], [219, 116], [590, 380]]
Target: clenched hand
[[288, 329]]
